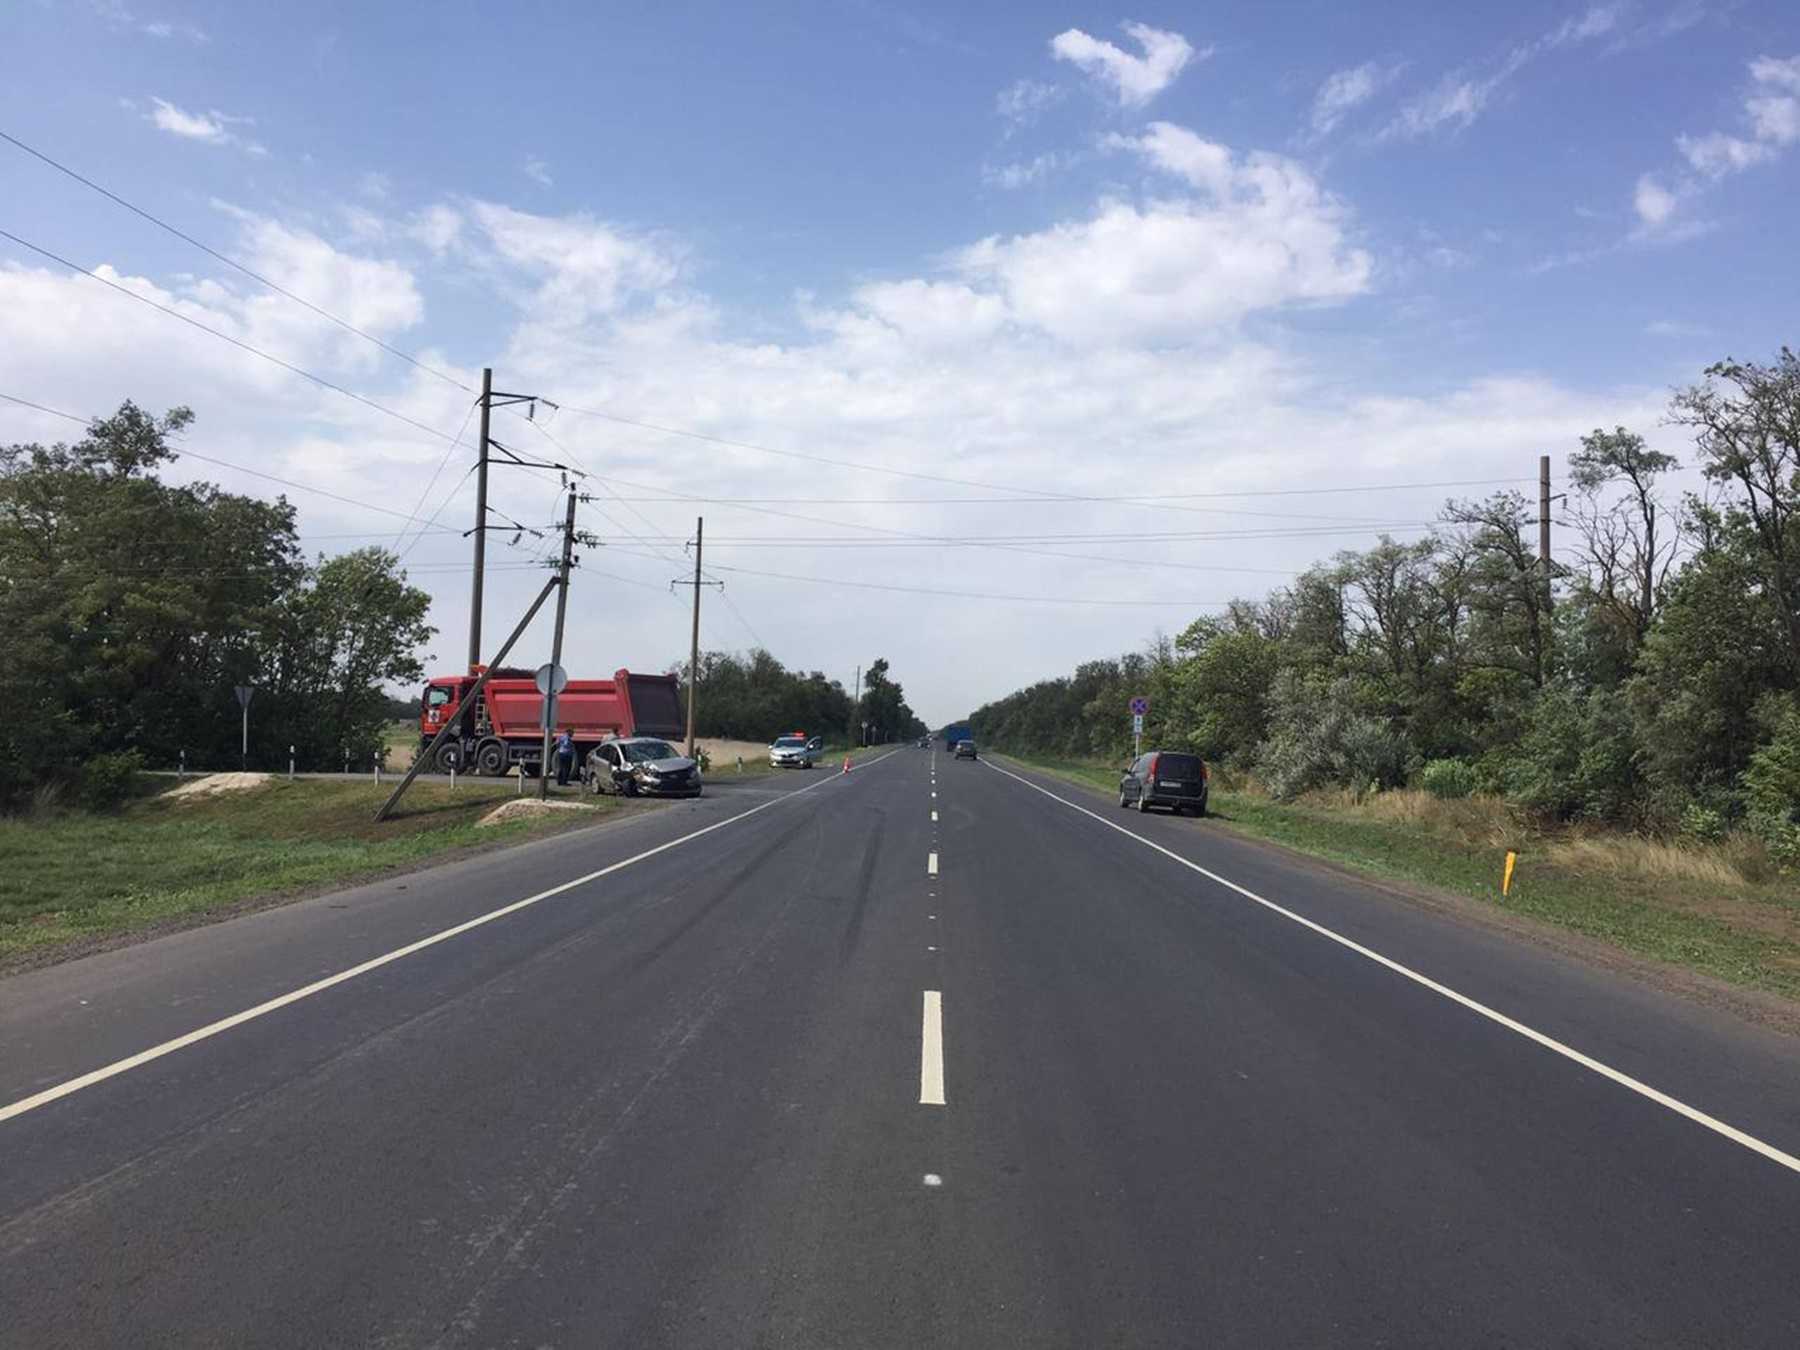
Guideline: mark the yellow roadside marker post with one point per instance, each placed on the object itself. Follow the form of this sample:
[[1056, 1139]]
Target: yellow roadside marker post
[[1506, 881]]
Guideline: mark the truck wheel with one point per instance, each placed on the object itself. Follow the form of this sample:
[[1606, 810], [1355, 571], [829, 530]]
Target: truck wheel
[[490, 757], [449, 756]]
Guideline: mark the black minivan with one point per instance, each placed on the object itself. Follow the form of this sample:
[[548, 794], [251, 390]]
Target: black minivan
[[1165, 778]]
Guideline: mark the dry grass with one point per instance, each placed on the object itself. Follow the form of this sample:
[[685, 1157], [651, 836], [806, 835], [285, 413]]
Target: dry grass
[[1490, 822]]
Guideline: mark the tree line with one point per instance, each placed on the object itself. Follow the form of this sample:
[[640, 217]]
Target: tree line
[[132, 608], [1652, 681], [754, 697]]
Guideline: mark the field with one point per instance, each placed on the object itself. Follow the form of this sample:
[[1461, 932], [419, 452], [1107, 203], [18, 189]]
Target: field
[[70, 880], [1722, 910]]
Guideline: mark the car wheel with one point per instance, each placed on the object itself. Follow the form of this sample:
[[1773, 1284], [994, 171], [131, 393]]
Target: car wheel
[[1123, 800], [1143, 804]]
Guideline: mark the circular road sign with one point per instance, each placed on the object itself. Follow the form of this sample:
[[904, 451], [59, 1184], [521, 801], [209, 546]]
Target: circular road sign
[[551, 679]]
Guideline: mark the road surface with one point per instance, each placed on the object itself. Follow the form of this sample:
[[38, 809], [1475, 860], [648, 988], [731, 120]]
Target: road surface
[[931, 1054]]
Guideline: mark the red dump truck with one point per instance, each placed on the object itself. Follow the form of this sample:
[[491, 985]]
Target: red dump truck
[[505, 726]]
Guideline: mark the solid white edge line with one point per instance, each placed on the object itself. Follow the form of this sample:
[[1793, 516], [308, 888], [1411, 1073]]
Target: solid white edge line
[[1550, 1043], [931, 1051], [212, 1029]]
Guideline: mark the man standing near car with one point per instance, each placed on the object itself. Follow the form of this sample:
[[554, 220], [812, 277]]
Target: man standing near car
[[565, 757]]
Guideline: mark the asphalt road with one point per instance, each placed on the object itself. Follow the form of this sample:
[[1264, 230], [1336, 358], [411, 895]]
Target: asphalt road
[[845, 1072]]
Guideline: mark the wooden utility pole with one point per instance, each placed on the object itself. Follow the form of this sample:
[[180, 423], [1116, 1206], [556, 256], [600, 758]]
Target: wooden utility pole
[[856, 708], [694, 637], [481, 477], [1544, 526], [562, 610]]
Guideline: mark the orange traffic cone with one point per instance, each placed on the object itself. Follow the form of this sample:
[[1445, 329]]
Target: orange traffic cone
[[846, 764]]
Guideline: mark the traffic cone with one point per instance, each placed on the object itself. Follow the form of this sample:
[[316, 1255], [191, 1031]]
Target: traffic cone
[[846, 764]]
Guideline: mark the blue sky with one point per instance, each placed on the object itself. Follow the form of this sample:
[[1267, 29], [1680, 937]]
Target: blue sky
[[1177, 249]]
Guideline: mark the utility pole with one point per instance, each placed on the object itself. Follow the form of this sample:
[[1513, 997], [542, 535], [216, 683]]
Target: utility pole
[[562, 609], [855, 706], [694, 641], [1544, 527], [481, 475], [485, 443], [694, 637]]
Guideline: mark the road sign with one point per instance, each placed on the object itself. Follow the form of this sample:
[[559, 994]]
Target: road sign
[[551, 679], [1140, 706], [1137, 724], [243, 692]]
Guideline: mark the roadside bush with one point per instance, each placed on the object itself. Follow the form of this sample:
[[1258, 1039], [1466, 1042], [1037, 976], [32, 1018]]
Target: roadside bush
[[106, 780], [1703, 823], [1317, 740], [1772, 778], [1578, 759], [1448, 779]]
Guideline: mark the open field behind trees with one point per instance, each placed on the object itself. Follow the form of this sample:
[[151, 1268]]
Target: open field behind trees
[[1724, 909], [68, 878]]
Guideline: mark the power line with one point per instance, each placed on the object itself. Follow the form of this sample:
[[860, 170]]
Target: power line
[[289, 366], [257, 277], [227, 464], [1163, 500]]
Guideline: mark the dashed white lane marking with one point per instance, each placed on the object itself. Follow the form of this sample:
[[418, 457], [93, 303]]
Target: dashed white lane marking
[[934, 814], [931, 1051], [237, 1019], [1549, 1043], [933, 1179], [931, 865]]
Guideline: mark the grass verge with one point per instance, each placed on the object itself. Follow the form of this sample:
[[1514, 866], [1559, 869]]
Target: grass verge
[[1718, 910], [68, 879]]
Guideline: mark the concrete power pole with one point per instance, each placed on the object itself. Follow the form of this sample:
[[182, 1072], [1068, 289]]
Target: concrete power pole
[[562, 610], [481, 477], [856, 707], [1544, 526], [694, 639]]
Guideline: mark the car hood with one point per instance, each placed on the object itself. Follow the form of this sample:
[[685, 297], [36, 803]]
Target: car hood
[[674, 764]]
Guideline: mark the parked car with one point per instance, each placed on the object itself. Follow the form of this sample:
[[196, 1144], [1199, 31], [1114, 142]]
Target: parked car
[[635, 765], [792, 752], [965, 749], [1165, 778]]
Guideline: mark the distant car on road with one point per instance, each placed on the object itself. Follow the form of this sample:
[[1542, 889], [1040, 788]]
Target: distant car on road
[[792, 752], [965, 749], [634, 765], [1165, 778]]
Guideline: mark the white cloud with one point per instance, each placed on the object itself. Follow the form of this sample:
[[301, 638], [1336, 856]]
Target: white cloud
[[1344, 90], [1135, 80], [1023, 173], [1597, 21], [1718, 154], [1454, 102], [582, 267], [1653, 202], [212, 128], [1259, 234], [1781, 74], [1024, 101], [538, 170], [208, 127], [437, 227], [1671, 328]]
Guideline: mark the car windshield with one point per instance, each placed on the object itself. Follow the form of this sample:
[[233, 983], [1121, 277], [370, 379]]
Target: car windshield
[[639, 752], [790, 742]]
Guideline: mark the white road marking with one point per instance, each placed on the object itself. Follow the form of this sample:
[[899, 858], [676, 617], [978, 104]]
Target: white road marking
[[931, 865], [237, 1019], [1568, 1052], [931, 1051], [933, 1179], [934, 815], [934, 795]]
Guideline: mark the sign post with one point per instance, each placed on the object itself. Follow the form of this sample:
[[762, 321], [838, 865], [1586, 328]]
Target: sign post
[[1139, 706], [244, 693]]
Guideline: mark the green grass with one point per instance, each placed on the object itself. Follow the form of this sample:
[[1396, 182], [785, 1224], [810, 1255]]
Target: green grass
[[1747, 934], [67, 878]]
